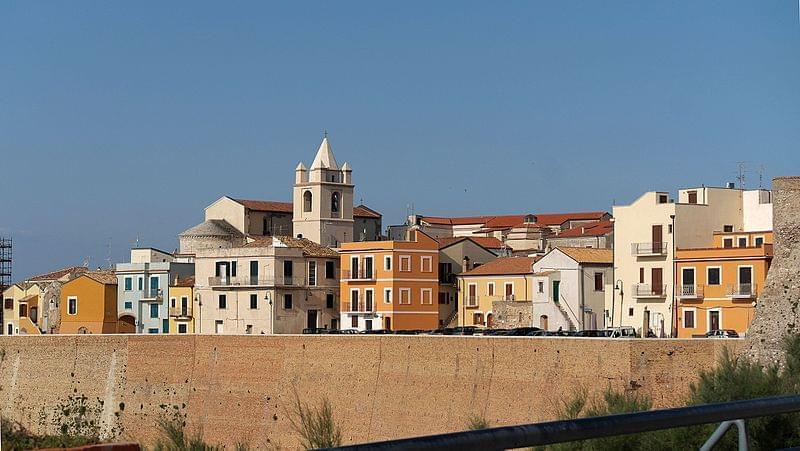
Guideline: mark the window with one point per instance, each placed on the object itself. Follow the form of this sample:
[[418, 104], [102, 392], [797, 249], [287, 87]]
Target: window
[[128, 305], [641, 275], [405, 296], [727, 228], [688, 318], [253, 301], [490, 288], [253, 272], [72, 305], [541, 287], [287, 301], [153, 310], [140, 283], [335, 205], [312, 273], [8, 303], [405, 263], [182, 329], [387, 295], [354, 300], [368, 324], [472, 295], [184, 305], [172, 302], [509, 291], [329, 300], [758, 241], [223, 301], [152, 330], [598, 281], [630, 311], [330, 270], [727, 243], [129, 284], [153, 284], [288, 270], [714, 275], [426, 296], [426, 263], [663, 198], [307, 198], [692, 197], [742, 240], [387, 263], [369, 297], [354, 322]]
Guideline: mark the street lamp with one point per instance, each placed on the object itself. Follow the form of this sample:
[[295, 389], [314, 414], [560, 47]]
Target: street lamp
[[618, 286]]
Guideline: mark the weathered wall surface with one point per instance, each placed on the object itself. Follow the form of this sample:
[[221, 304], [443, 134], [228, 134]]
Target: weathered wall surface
[[777, 311], [241, 388]]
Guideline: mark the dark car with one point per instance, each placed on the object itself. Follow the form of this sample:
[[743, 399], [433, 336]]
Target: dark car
[[376, 332], [342, 331], [522, 331], [314, 331], [463, 330], [407, 332], [591, 333]]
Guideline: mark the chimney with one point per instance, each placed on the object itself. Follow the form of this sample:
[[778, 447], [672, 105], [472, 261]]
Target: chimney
[[465, 263]]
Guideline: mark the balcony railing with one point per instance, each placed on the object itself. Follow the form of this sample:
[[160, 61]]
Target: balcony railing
[[643, 290], [649, 248], [180, 311], [447, 279], [509, 297], [742, 290], [254, 281], [472, 301], [690, 291], [358, 274], [153, 293], [362, 307]]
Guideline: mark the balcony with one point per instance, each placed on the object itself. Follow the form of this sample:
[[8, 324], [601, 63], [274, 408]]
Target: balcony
[[509, 297], [361, 307], [648, 249], [447, 279], [647, 291], [690, 292], [742, 291], [181, 311], [358, 274], [252, 281], [153, 293], [472, 301]]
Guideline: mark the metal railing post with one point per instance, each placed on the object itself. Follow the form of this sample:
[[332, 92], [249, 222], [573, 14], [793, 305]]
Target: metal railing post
[[720, 432]]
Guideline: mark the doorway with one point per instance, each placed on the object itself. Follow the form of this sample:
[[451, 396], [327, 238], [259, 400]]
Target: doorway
[[387, 323], [657, 277], [713, 320], [543, 322], [556, 289], [646, 324], [312, 319]]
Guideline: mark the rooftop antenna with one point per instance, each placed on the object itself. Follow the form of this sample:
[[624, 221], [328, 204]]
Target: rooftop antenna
[[108, 252], [325, 132], [741, 175], [86, 262], [761, 174]]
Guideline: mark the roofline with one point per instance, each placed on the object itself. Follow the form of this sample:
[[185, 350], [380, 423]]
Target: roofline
[[467, 238]]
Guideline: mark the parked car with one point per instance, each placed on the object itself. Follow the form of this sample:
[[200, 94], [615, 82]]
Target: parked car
[[462, 330], [623, 332], [522, 331], [314, 331], [722, 333], [376, 332], [342, 331], [408, 332], [591, 333], [496, 332]]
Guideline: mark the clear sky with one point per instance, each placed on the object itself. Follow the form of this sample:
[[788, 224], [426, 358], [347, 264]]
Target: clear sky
[[125, 119]]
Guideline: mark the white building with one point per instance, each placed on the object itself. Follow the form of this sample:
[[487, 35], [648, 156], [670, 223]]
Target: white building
[[570, 286], [646, 233]]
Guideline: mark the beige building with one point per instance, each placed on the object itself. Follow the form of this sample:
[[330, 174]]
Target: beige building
[[503, 284], [269, 285], [599, 235], [457, 255], [646, 233]]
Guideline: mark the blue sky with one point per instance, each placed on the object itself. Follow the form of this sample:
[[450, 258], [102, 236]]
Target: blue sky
[[120, 120]]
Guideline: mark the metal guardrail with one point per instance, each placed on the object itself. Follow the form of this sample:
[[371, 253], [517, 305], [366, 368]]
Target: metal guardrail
[[565, 431], [649, 248]]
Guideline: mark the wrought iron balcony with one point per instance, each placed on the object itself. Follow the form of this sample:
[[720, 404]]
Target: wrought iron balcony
[[644, 291], [742, 291], [690, 291], [362, 307], [358, 274], [153, 293], [645, 249], [509, 297]]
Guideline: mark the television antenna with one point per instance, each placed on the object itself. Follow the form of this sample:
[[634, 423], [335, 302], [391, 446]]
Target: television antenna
[[740, 177]]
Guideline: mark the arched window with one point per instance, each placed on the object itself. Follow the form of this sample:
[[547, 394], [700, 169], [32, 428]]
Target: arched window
[[307, 201], [543, 322], [335, 204]]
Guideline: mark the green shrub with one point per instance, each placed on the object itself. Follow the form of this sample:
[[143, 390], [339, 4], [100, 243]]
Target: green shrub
[[477, 422], [17, 438], [316, 425]]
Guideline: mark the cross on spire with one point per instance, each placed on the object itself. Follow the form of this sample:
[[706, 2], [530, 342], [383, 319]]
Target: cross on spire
[[325, 132]]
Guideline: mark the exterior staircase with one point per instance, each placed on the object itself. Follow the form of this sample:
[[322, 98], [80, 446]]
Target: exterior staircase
[[26, 327], [451, 318], [560, 305]]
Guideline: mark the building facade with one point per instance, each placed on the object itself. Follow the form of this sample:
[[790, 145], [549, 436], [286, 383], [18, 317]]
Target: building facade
[[390, 285], [504, 284], [181, 305], [270, 285], [570, 287], [717, 287], [143, 286], [89, 304], [646, 234], [457, 255]]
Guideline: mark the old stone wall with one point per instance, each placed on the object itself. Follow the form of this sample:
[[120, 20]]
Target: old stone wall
[[511, 314], [242, 388], [777, 311]]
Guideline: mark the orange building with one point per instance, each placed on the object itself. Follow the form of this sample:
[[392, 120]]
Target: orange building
[[390, 284], [89, 304], [717, 287]]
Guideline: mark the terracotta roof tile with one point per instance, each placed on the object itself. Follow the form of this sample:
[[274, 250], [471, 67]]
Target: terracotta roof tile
[[361, 211], [597, 229], [589, 255], [554, 219], [55, 275], [499, 222], [103, 276], [310, 248], [504, 266], [185, 282], [487, 242]]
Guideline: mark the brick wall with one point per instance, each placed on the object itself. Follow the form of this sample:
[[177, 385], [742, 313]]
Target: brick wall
[[241, 388]]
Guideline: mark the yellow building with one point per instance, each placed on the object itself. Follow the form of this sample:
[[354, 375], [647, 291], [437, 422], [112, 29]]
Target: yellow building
[[390, 285], [717, 287], [89, 304], [181, 298], [20, 309], [504, 279]]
